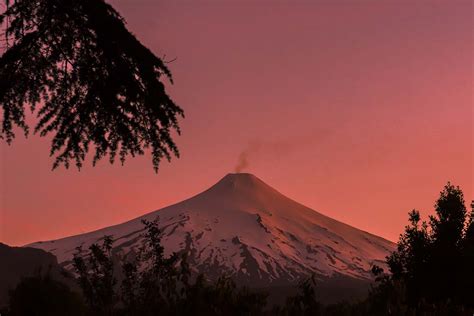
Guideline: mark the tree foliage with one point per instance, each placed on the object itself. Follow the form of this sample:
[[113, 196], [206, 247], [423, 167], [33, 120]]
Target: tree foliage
[[432, 268], [304, 302], [91, 83], [430, 256], [96, 276], [223, 297], [151, 283], [42, 295]]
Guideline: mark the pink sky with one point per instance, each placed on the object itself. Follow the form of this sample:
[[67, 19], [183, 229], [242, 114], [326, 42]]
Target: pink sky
[[361, 110]]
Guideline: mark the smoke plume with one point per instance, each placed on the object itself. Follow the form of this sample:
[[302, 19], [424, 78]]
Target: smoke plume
[[243, 160], [274, 150]]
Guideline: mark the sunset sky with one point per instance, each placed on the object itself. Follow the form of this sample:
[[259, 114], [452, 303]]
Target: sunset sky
[[361, 110]]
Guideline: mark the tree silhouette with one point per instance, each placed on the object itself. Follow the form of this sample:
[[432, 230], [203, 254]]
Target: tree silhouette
[[42, 295], [305, 301], [95, 272], [467, 261], [433, 263], [409, 261], [90, 81], [154, 284]]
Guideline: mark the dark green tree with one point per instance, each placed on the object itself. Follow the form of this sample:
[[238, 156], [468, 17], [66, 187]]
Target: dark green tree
[[91, 83], [467, 261], [153, 283], [305, 301], [386, 297], [410, 260], [432, 268], [96, 278], [448, 227], [222, 297], [448, 224], [156, 284]]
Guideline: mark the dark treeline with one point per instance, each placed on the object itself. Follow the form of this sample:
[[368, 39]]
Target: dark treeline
[[431, 273]]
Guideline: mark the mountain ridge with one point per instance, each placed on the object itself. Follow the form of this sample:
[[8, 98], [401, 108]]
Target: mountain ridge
[[228, 175], [243, 227]]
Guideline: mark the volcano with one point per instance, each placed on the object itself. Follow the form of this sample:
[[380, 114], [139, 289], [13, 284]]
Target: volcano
[[246, 229]]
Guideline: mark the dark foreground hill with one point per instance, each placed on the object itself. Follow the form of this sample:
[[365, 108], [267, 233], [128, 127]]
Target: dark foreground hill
[[20, 262]]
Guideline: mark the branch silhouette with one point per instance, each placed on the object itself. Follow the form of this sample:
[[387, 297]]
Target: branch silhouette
[[93, 84]]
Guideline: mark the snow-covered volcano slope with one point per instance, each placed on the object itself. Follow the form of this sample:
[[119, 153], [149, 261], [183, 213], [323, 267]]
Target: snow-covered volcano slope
[[245, 228]]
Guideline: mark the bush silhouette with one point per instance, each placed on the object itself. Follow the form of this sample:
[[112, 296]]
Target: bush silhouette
[[152, 283], [41, 295]]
